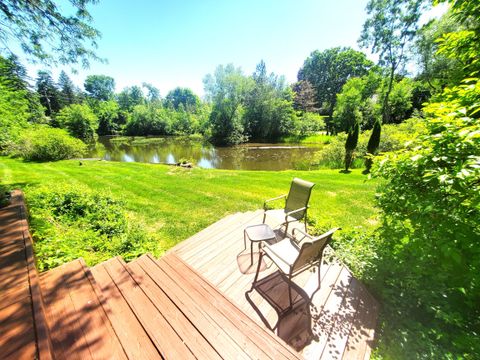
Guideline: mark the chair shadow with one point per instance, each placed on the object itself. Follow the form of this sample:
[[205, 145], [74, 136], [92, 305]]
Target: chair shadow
[[294, 324]]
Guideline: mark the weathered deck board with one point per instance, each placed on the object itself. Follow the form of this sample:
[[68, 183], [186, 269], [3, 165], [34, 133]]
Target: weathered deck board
[[22, 322], [339, 322], [77, 321]]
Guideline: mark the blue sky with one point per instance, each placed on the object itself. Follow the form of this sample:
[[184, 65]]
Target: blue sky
[[176, 43]]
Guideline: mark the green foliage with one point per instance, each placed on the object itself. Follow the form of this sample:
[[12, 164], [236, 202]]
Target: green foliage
[[329, 70], [358, 101], [347, 111], [394, 137], [183, 97], [226, 89], [400, 100], [109, 117], [14, 114], [45, 33], [68, 93], [388, 30], [373, 144], [130, 97], [309, 124], [99, 87], [80, 121], [268, 105], [43, 143], [148, 120], [437, 69], [351, 144], [48, 93], [69, 222]]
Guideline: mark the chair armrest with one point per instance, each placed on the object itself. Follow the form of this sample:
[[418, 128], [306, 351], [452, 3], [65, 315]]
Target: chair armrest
[[274, 253], [294, 211], [295, 230], [272, 199], [310, 237]]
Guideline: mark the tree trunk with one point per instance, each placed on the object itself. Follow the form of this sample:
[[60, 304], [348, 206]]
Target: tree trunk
[[386, 105]]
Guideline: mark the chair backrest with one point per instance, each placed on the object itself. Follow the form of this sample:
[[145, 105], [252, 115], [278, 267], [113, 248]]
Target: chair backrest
[[298, 196], [311, 250]]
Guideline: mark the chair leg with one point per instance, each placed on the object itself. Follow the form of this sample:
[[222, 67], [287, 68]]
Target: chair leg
[[264, 217], [260, 256], [290, 290], [286, 228]]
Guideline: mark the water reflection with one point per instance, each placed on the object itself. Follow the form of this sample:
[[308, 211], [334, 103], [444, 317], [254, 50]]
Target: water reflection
[[172, 150]]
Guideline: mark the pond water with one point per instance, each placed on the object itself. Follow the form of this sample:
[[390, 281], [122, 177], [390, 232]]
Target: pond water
[[171, 150]]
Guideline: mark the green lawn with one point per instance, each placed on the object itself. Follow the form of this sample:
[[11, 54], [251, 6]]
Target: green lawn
[[175, 203]]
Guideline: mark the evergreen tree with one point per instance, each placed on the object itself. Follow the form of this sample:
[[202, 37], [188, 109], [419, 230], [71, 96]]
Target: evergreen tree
[[351, 145], [67, 93], [305, 96], [373, 144], [48, 92]]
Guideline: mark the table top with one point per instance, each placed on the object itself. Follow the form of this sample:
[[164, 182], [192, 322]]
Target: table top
[[259, 232]]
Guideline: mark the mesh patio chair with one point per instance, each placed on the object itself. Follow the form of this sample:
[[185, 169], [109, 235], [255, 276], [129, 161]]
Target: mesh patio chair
[[296, 204], [294, 255]]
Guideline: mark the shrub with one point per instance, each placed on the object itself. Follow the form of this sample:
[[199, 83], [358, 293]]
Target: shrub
[[309, 124], [43, 143], [430, 214], [79, 120], [351, 144], [373, 144], [69, 222]]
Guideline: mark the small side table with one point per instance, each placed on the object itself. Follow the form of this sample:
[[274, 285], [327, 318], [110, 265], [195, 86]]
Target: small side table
[[257, 233]]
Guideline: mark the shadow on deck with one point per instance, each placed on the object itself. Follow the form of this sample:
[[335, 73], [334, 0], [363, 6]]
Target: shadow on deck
[[337, 322]]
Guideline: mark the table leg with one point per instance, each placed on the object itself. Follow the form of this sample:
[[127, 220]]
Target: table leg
[[251, 253]]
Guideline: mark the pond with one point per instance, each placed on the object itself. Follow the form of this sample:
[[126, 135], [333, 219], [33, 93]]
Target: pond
[[171, 150]]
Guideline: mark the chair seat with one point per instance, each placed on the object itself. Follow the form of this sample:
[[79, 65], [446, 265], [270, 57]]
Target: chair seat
[[283, 254], [279, 216]]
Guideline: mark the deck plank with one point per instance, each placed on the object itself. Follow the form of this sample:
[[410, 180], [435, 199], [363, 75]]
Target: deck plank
[[199, 313], [191, 336], [257, 334], [133, 337], [166, 340]]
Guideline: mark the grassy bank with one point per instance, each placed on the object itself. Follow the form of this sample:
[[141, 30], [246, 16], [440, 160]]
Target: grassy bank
[[174, 203]]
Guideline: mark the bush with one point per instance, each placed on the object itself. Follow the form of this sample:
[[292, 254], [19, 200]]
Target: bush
[[394, 137], [69, 222], [428, 264], [309, 124], [44, 143], [80, 121]]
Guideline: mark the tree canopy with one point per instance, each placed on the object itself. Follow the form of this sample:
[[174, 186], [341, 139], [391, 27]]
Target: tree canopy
[[329, 70], [46, 33]]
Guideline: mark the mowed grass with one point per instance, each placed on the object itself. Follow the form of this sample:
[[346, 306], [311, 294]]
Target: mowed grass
[[175, 203]]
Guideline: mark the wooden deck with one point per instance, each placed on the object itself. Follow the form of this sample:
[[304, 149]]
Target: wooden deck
[[196, 302], [338, 323], [147, 309]]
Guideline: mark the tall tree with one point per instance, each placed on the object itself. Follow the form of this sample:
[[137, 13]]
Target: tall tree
[[389, 28], [329, 70], [48, 34], [153, 94], [269, 111], [48, 92], [100, 87], [226, 89], [67, 89], [130, 97], [305, 99], [437, 70], [182, 96]]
